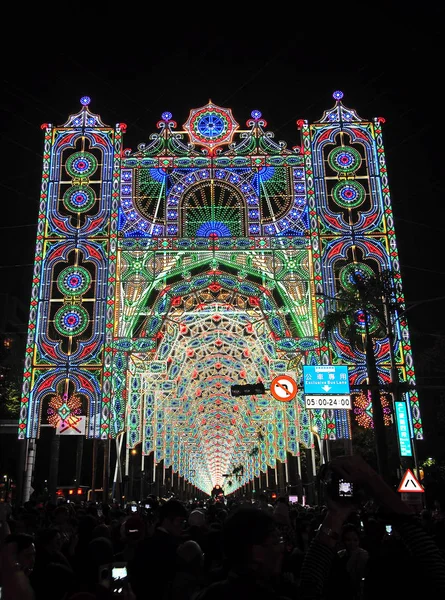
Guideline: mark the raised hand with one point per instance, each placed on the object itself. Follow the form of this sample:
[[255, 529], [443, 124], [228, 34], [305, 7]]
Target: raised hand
[[356, 470]]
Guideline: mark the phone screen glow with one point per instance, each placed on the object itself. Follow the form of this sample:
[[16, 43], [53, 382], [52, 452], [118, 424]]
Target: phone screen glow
[[345, 488], [119, 572]]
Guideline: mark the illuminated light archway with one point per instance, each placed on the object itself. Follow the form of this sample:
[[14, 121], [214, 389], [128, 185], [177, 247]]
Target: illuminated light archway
[[207, 256]]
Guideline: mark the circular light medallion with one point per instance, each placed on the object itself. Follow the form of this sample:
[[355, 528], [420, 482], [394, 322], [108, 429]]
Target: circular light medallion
[[79, 198], [360, 318], [353, 274], [210, 125], [348, 194], [74, 281], [81, 164], [344, 159], [71, 319]]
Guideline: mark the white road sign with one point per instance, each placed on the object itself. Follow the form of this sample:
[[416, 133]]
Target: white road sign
[[317, 402]]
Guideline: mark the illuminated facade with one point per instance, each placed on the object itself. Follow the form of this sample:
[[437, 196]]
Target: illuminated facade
[[201, 260]]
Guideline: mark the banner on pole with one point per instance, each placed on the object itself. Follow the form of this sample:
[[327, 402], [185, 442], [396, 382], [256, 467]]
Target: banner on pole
[[72, 427]]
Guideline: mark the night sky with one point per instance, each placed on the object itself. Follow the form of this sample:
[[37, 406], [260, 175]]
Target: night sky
[[287, 69]]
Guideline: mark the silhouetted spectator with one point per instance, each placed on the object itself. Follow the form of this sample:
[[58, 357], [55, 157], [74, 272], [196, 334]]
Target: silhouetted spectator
[[48, 552], [189, 576], [25, 549], [155, 559], [253, 548]]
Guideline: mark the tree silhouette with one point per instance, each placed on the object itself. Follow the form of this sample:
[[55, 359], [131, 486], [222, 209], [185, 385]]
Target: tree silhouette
[[363, 313]]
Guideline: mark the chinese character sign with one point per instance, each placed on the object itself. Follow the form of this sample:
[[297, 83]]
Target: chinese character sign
[[403, 429]]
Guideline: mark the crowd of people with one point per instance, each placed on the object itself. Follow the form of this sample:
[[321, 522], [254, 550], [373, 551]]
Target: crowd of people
[[234, 549]]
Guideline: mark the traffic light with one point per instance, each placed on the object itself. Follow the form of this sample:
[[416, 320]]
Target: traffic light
[[248, 390]]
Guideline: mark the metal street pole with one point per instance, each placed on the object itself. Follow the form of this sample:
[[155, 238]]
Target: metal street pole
[[396, 383], [30, 458]]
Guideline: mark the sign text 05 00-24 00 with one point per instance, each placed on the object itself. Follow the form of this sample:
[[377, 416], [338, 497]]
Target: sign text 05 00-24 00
[[316, 402]]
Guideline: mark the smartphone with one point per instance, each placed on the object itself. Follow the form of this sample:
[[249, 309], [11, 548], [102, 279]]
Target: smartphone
[[345, 489], [118, 577], [134, 508], [148, 506], [389, 529]]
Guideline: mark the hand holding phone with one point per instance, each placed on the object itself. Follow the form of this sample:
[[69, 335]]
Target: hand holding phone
[[355, 469], [338, 488], [118, 577]]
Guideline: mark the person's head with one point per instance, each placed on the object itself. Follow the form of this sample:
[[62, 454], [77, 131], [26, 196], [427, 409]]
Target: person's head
[[49, 539], [100, 552], [172, 515], [24, 549], [374, 530], [101, 530], [190, 556], [221, 515], [61, 515], [252, 540], [58, 583], [92, 509], [86, 526], [281, 513], [197, 518], [133, 529], [350, 537]]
